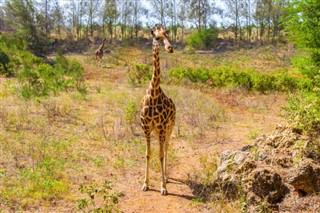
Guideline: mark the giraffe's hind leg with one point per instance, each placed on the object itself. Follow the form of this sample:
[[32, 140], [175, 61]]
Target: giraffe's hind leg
[[100, 62]]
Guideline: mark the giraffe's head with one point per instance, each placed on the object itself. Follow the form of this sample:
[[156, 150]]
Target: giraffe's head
[[161, 34]]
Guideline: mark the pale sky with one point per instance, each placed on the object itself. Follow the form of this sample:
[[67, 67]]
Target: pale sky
[[219, 3]]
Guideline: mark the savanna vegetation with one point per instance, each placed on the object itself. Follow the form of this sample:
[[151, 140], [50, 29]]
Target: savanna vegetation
[[70, 139]]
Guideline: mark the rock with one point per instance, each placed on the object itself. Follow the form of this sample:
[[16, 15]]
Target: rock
[[312, 150], [267, 183], [263, 171], [229, 160], [228, 154], [246, 167], [262, 155], [306, 177], [240, 157], [246, 148], [283, 161], [260, 141], [230, 189], [224, 171]]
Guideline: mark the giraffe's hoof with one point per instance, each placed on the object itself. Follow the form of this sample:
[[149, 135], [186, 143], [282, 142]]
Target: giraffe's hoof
[[145, 188], [164, 191]]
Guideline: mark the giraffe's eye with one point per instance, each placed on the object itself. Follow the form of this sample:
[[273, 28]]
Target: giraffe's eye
[[157, 38]]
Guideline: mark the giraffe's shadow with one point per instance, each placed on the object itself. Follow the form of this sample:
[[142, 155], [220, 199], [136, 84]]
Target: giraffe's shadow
[[187, 197], [176, 182]]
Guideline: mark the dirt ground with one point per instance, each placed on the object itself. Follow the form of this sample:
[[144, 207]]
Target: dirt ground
[[249, 115], [180, 195]]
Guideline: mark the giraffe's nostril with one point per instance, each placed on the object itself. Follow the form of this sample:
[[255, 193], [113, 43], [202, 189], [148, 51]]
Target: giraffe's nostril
[[169, 49]]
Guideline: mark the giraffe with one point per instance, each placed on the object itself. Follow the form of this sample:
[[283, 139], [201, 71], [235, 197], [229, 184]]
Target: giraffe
[[99, 52], [158, 111]]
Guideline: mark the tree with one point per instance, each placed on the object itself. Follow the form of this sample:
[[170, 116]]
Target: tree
[[137, 11], [278, 10], [110, 15], [302, 25], [46, 11], [81, 12], [57, 18], [267, 16], [302, 18], [200, 13], [125, 15], [247, 10], [172, 13], [182, 16], [160, 10], [22, 15], [234, 7], [92, 11]]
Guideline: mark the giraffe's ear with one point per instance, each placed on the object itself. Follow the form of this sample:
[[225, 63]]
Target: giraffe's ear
[[151, 32]]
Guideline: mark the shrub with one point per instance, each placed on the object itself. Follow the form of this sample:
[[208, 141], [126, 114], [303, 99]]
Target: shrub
[[131, 110], [203, 39], [139, 74], [244, 80], [249, 80], [303, 111], [94, 193], [39, 79], [263, 82], [4, 61], [284, 82]]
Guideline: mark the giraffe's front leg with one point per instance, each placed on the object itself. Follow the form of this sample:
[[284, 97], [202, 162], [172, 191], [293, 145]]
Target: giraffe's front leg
[[163, 166], [168, 134], [145, 186], [166, 161]]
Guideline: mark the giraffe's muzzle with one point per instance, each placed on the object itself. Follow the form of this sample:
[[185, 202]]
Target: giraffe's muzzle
[[169, 49]]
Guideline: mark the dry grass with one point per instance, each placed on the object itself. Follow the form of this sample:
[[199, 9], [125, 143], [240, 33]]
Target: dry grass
[[50, 146]]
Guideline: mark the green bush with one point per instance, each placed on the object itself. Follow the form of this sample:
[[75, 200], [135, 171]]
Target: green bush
[[30, 83], [43, 79], [203, 39], [263, 82], [244, 80], [139, 74], [249, 80], [301, 21], [35, 77], [99, 198], [303, 111], [4, 61]]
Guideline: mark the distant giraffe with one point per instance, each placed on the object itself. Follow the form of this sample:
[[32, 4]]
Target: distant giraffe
[[99, 52], [158, 111]]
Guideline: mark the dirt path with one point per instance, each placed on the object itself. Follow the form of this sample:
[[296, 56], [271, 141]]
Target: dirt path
[[249, 115], [253, 114]]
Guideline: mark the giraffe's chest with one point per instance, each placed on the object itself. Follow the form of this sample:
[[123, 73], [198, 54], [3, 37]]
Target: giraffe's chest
[[160, 107]]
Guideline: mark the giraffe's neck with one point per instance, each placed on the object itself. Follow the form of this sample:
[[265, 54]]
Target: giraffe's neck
[[155, 80], [102, 45]]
